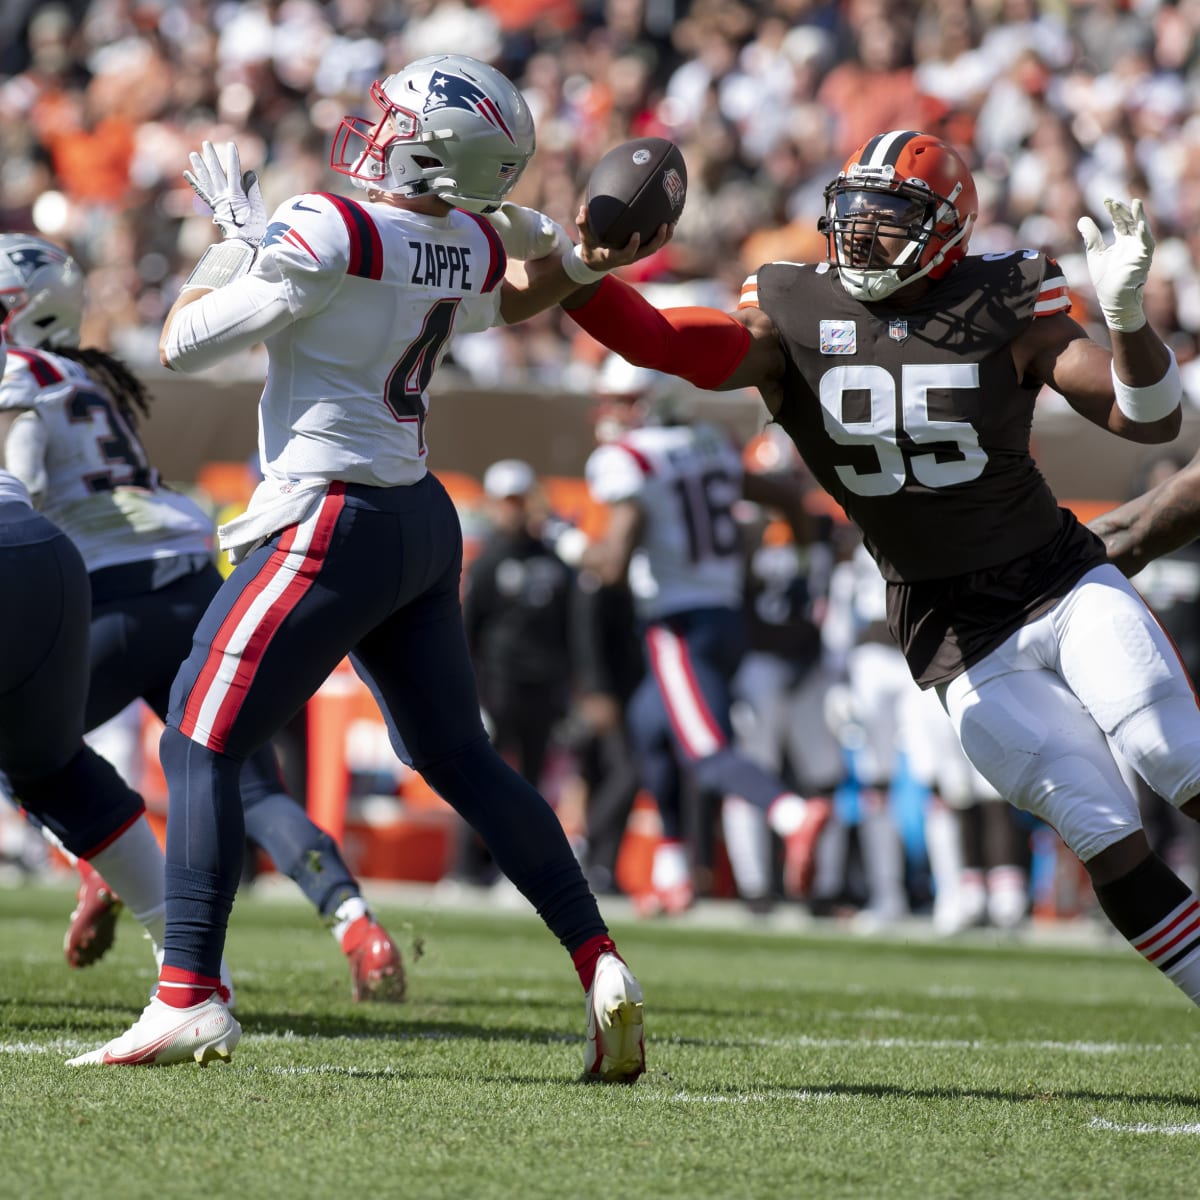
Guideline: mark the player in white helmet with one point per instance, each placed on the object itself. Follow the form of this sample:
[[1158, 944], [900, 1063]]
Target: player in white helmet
[[62, 782], [350, 545], [671, 483], [149, 556]]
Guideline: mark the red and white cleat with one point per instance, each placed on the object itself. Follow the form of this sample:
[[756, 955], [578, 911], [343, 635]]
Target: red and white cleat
[[800, 847], [376, 969], [616, 1046], [163, 1035], [93, 924]]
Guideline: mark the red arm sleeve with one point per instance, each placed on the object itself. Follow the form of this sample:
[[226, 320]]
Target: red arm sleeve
[[702, 345]]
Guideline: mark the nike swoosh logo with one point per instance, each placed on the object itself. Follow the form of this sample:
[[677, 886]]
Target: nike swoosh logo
[[304, 207]]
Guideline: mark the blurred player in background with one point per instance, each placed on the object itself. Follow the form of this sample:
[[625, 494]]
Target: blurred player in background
[[782, 683], [516, 613], [349, 544], [670, 483], [149, 555], [44, 615], [906, 372]]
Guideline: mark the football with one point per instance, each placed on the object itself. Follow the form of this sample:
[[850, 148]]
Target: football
[[636, 187]]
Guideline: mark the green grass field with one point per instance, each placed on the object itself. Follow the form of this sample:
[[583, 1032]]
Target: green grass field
[[780, 1065]]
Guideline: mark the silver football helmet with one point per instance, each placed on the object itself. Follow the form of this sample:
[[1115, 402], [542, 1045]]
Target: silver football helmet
[[452, 126], [41, 292]]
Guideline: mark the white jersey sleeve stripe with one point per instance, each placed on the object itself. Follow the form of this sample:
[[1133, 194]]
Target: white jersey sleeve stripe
[[265, 602]]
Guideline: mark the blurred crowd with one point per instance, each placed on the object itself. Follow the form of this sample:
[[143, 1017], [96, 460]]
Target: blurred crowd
[[1056, 105]]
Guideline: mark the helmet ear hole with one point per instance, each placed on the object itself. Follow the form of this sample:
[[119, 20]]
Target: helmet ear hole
[[427, 162]]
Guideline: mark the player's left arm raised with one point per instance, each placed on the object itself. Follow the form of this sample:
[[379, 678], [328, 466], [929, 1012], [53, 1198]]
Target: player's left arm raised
[[1134, 390]]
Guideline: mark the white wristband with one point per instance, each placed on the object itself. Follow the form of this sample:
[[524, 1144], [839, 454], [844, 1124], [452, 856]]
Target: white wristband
[[1153, 402], [577, 270]]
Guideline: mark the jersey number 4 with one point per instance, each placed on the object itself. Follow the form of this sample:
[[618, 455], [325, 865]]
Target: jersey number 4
[[938, 453], [404, 392]]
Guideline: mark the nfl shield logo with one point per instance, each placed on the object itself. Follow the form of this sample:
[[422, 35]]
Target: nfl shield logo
[[898, 331]]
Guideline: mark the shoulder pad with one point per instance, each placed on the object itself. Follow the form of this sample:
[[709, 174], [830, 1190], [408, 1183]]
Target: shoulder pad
[[27, 374], [329, 231]]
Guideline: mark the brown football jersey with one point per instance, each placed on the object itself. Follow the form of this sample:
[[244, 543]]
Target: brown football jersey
[[914, 420]]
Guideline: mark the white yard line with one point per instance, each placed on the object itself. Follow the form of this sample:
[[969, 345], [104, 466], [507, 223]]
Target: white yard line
[[1140, 1127]]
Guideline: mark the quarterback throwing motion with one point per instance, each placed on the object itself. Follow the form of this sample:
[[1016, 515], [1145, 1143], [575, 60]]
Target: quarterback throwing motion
[[350, 546], [906, 373]]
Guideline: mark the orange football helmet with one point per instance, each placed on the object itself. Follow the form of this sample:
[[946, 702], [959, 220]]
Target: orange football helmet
[[901, 208]]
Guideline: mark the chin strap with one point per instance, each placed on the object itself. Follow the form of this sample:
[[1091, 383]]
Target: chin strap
[[702, 345]]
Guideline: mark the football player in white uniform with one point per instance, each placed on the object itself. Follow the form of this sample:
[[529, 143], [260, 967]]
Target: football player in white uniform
[[350, 545], [149, 554], [60, 780], [906, 370], [671, 485]]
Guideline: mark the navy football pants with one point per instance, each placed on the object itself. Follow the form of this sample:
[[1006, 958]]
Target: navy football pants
[[139, 639], [44, 609], [372, 572]]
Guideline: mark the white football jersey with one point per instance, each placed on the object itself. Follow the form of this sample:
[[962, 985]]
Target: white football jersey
[[686, 478], [95, 482], [374, 295]]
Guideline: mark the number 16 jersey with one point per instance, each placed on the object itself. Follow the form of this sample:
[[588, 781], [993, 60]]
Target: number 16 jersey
[[686, 480]]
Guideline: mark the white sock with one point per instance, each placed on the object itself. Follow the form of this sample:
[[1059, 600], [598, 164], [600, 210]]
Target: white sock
[[786, 813], [133, 867], [670, 868], [748, 844], [346, 914], [883, 862], [1008, 896], [972, 896], [943, 844]]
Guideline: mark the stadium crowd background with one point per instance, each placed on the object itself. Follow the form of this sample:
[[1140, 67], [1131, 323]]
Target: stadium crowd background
[[1057, 105]]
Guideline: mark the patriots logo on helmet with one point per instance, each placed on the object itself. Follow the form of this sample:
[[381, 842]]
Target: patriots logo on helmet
[[29, 259], [453, 91]]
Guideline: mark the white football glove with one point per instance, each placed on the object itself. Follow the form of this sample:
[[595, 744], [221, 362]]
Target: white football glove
[[1119, 271], [526, 233], [233, 195]]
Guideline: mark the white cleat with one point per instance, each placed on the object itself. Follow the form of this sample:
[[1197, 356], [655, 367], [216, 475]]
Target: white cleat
[[163, 1035], [616, 1046]]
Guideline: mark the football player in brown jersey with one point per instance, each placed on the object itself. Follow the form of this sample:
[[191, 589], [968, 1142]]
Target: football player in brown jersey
[[906, 372]]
